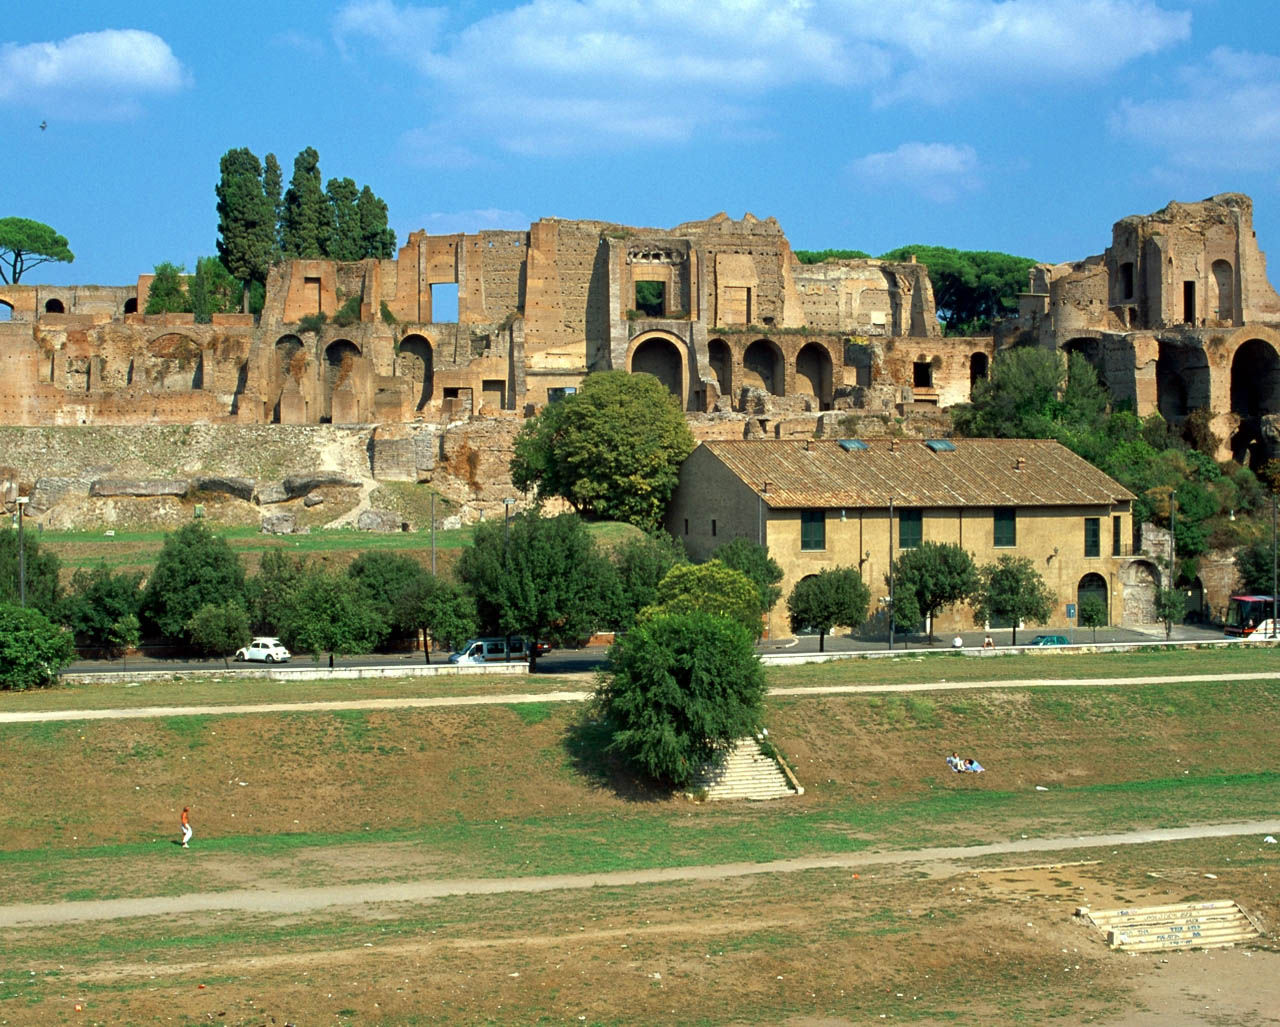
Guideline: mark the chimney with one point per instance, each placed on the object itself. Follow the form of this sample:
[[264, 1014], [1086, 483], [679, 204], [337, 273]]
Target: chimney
[[1021, 465], [893, 445], [807, 445]]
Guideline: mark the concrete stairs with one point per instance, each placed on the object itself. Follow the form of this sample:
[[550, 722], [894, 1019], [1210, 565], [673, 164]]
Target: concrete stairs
[[746, 773], [1199, 925]]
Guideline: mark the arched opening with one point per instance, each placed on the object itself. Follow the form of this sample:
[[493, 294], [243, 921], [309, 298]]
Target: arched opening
[[979, 369], [1182, 380], [721, 359], [416, 365], [340, 358], [131, 305], [660, 358], [763, 367], [1255, 394], [1140, 580], [1092, 586], [1224, 291], [813, 374], [6, 311], [1091, 350], [288, 366], [54, 306]]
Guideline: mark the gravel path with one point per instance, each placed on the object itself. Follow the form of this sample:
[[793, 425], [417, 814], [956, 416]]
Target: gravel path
[[304, 900]]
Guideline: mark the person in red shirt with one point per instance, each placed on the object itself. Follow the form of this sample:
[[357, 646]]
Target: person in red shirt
[[186, 825]]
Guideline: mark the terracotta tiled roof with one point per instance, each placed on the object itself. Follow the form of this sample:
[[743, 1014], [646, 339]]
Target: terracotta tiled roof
[[979, 472]]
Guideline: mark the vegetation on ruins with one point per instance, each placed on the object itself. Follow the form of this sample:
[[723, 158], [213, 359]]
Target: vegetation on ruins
[[712, 588], [929, 577], [1256, 566], [682, 687], [832, 596], [819, 256], [32, 648], [1011, 590], [753, 560], [195, 568], [42, 588], [613, 449], [26, 244], [340, 220], [168, 291]]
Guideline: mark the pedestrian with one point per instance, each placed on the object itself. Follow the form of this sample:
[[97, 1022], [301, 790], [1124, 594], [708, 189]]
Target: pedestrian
[[186, 825], [987, 643]]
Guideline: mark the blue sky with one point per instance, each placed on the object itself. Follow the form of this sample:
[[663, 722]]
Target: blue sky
[[1027, 126]]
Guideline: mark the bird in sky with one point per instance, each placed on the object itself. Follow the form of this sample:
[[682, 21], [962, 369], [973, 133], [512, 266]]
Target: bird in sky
[[43, 125]]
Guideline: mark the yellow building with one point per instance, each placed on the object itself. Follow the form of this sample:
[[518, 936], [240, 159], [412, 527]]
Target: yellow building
[[818, 504]]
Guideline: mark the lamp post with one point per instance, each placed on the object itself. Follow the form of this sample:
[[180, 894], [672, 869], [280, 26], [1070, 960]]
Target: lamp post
[[1173, 538], [22, 553], [891, 572], [1273, 565]]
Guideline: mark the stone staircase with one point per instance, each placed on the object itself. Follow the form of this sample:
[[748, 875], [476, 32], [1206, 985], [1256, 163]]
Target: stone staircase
[[746, 773], [1199, 925]]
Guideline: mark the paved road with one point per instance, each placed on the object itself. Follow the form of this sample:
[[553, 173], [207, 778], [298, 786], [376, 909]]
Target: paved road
[[304, 900]]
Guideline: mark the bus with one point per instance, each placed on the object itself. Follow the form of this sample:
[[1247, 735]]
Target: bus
[[1249, 614]]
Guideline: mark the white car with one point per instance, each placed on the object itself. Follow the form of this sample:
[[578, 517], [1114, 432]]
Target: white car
[[267, 650]]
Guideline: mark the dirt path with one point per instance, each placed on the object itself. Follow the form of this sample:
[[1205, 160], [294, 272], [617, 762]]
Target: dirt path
[[303, 900], [488, 698]]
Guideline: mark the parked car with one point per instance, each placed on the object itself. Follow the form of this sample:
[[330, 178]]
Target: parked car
[[1049, 640], [265, 650], [496, 650]]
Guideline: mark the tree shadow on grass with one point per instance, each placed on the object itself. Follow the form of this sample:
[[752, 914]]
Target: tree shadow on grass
[[586, 740]]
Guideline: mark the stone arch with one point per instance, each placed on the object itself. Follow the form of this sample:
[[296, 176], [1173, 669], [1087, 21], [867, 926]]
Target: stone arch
[[979, 370], [416, 359], [813, 373], [6, 311], [1139, 581], [341, 358], [288, 366], [1224, 291], [131, 305], [53, 305], [1094, 585], [1255, 395], [662, 356], [1182, 380], [763, 367], [720, 357]]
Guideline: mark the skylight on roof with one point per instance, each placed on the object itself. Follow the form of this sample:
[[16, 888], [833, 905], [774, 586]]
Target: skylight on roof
[[940, 445], [850, 445]]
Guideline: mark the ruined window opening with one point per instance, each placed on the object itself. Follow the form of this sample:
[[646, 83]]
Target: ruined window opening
[[444, 302], [922, 374], [651, 298], [1092, 536], [555, 394], [1224, 287], [1126, 280], [311, 295], [660, 358], [417, 364], [131, 305], [978, 369], [686, 525], [713, 527], [1133, 317], [721, 360], [493, 392], [6, 311], [762, 363], [54, 307], [1189, 302]]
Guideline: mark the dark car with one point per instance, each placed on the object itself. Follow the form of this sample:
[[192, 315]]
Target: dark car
[[1049, 640]]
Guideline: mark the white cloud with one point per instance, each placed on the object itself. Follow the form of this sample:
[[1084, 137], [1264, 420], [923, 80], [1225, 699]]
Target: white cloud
[[562, 75], [1226, 116], [937, 171], [95, 74], [471, 221]]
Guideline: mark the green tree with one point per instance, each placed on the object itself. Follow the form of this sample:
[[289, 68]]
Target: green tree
[[344, 241], [269, 592], [273, 188], [125, 634], [821, 256], [708, 588], [377, 240], [25, 244], [640, 563], [1170, 605], [246, 219], [1092, 614], [683, 687], [439, 608], [830, 597], [383, 578], [32, 649], [213, 290], [324, 614], [535, 576], [306, 211], [971, 288], [755, 562], [97, 601], [42, 569], [1255, 565], [1011, 589], [613, 449], [219, 629], [931, 576], [195, 567], [168, 292], [1018, 400]]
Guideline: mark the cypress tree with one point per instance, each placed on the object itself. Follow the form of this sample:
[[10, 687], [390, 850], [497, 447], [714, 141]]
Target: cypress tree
[[246, 218], [376, 238], [306, 211], [343, 241]]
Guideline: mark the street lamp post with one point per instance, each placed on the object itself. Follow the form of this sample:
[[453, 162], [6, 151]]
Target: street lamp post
[[891, 617], [1273, 565], [22, 553]]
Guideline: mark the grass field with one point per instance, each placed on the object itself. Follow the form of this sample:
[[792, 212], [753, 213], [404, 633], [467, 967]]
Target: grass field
[[88, 811]]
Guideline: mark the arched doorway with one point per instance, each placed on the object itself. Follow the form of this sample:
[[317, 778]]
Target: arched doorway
[[720, 357], [54, 306], [1182, 380], [979, 369], [1093, 586], [813, 374], [131, 305], [661, 358], [1255, 394], [288, 366], [1139, 581], [340, 359], [1224, 287], [763, 367], [416, 364]]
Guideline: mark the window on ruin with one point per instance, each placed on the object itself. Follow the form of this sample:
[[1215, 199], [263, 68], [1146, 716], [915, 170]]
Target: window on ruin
[[1223, 284], [131, 305], [494, 393], [651, 298], [311, 295], [713, 527], [1126, 280], [54, 307], [813, 530], [910, 529], [444, 302], [1004, 527], [1189, 302], [1092, 536], [922, 374], [554, 395]]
